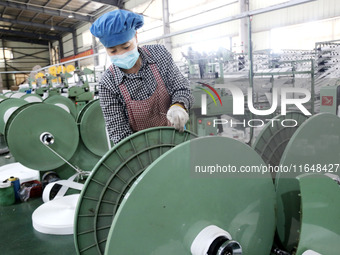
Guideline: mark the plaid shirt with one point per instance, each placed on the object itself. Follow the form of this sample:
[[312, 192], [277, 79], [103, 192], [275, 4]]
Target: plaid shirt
[[140, 86]]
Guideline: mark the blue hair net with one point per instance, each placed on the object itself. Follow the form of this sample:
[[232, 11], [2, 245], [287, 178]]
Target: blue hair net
[[116, 27]]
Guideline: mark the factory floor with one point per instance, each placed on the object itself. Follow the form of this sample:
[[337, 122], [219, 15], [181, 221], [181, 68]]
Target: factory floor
[[17, 235]]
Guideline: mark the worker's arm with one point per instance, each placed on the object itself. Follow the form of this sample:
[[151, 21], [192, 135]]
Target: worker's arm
[[177, 85]]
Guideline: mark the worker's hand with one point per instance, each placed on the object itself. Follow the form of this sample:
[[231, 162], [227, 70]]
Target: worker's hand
[[177, 116]]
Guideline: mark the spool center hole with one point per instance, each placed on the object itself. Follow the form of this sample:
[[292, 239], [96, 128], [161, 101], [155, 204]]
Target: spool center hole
[[47, 138]]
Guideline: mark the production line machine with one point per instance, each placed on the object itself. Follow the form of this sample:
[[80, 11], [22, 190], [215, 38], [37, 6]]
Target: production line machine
[[56, 82]]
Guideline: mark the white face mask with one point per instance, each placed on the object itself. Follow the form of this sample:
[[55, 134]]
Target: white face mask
[[126, 60]]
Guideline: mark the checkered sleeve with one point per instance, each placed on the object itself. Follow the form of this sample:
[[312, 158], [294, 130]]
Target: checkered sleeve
[[177, 85], [113, 108]]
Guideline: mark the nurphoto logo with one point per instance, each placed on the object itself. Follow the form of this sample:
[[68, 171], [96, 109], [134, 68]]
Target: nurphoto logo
[[239, 104]]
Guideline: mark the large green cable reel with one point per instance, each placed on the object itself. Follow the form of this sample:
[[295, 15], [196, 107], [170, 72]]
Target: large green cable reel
[[274, 137], [37, 132], [92, 128], [93, 142], [320, 230], [314, 148], [111, 179], [172, 205], [7, 108], [74, 154]]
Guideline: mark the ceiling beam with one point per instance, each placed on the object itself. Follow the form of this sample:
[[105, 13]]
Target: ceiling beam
[[30, 35], [27, 23], [46, 10], [116, 3], [62, 7], [27, 40]]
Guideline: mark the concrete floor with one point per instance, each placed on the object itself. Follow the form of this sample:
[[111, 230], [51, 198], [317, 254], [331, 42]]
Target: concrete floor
[[17, 235]]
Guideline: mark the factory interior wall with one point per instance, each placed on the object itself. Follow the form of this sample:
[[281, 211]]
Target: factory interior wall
[[83, 40], [21, 56], [298, 27], [81, 44]]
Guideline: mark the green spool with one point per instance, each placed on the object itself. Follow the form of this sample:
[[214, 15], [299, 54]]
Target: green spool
[[274, 137], [169, 204], [31, 123], [92, 128], [111, 179], [317, 141], [320, 199], [2, 97], [64, 103], [7, 107], [7, 196]]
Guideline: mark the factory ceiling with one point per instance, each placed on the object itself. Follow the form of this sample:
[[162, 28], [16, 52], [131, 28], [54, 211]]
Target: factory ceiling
[[47, 20]]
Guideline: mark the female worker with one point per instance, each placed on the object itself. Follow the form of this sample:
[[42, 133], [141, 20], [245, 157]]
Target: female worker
[[143, 88]]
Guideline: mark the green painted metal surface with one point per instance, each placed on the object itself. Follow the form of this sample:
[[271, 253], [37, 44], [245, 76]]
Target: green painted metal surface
[[84, 158], [86, 96], [25, 127], [7, 107], [111, 179], [75, 91], [62, 101], [315, 143], [2, 97], [274, 137], [320, 227], [92, 128], [169, 204]]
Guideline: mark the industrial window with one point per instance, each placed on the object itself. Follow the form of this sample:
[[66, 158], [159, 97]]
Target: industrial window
[[87, 38], [305, 35], [8, 54]]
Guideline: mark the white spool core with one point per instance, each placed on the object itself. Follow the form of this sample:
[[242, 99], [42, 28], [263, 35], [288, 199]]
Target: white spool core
[[63, 107], [17, 95], [310, 252], [205, 238], [33, 99], [8, 113]]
